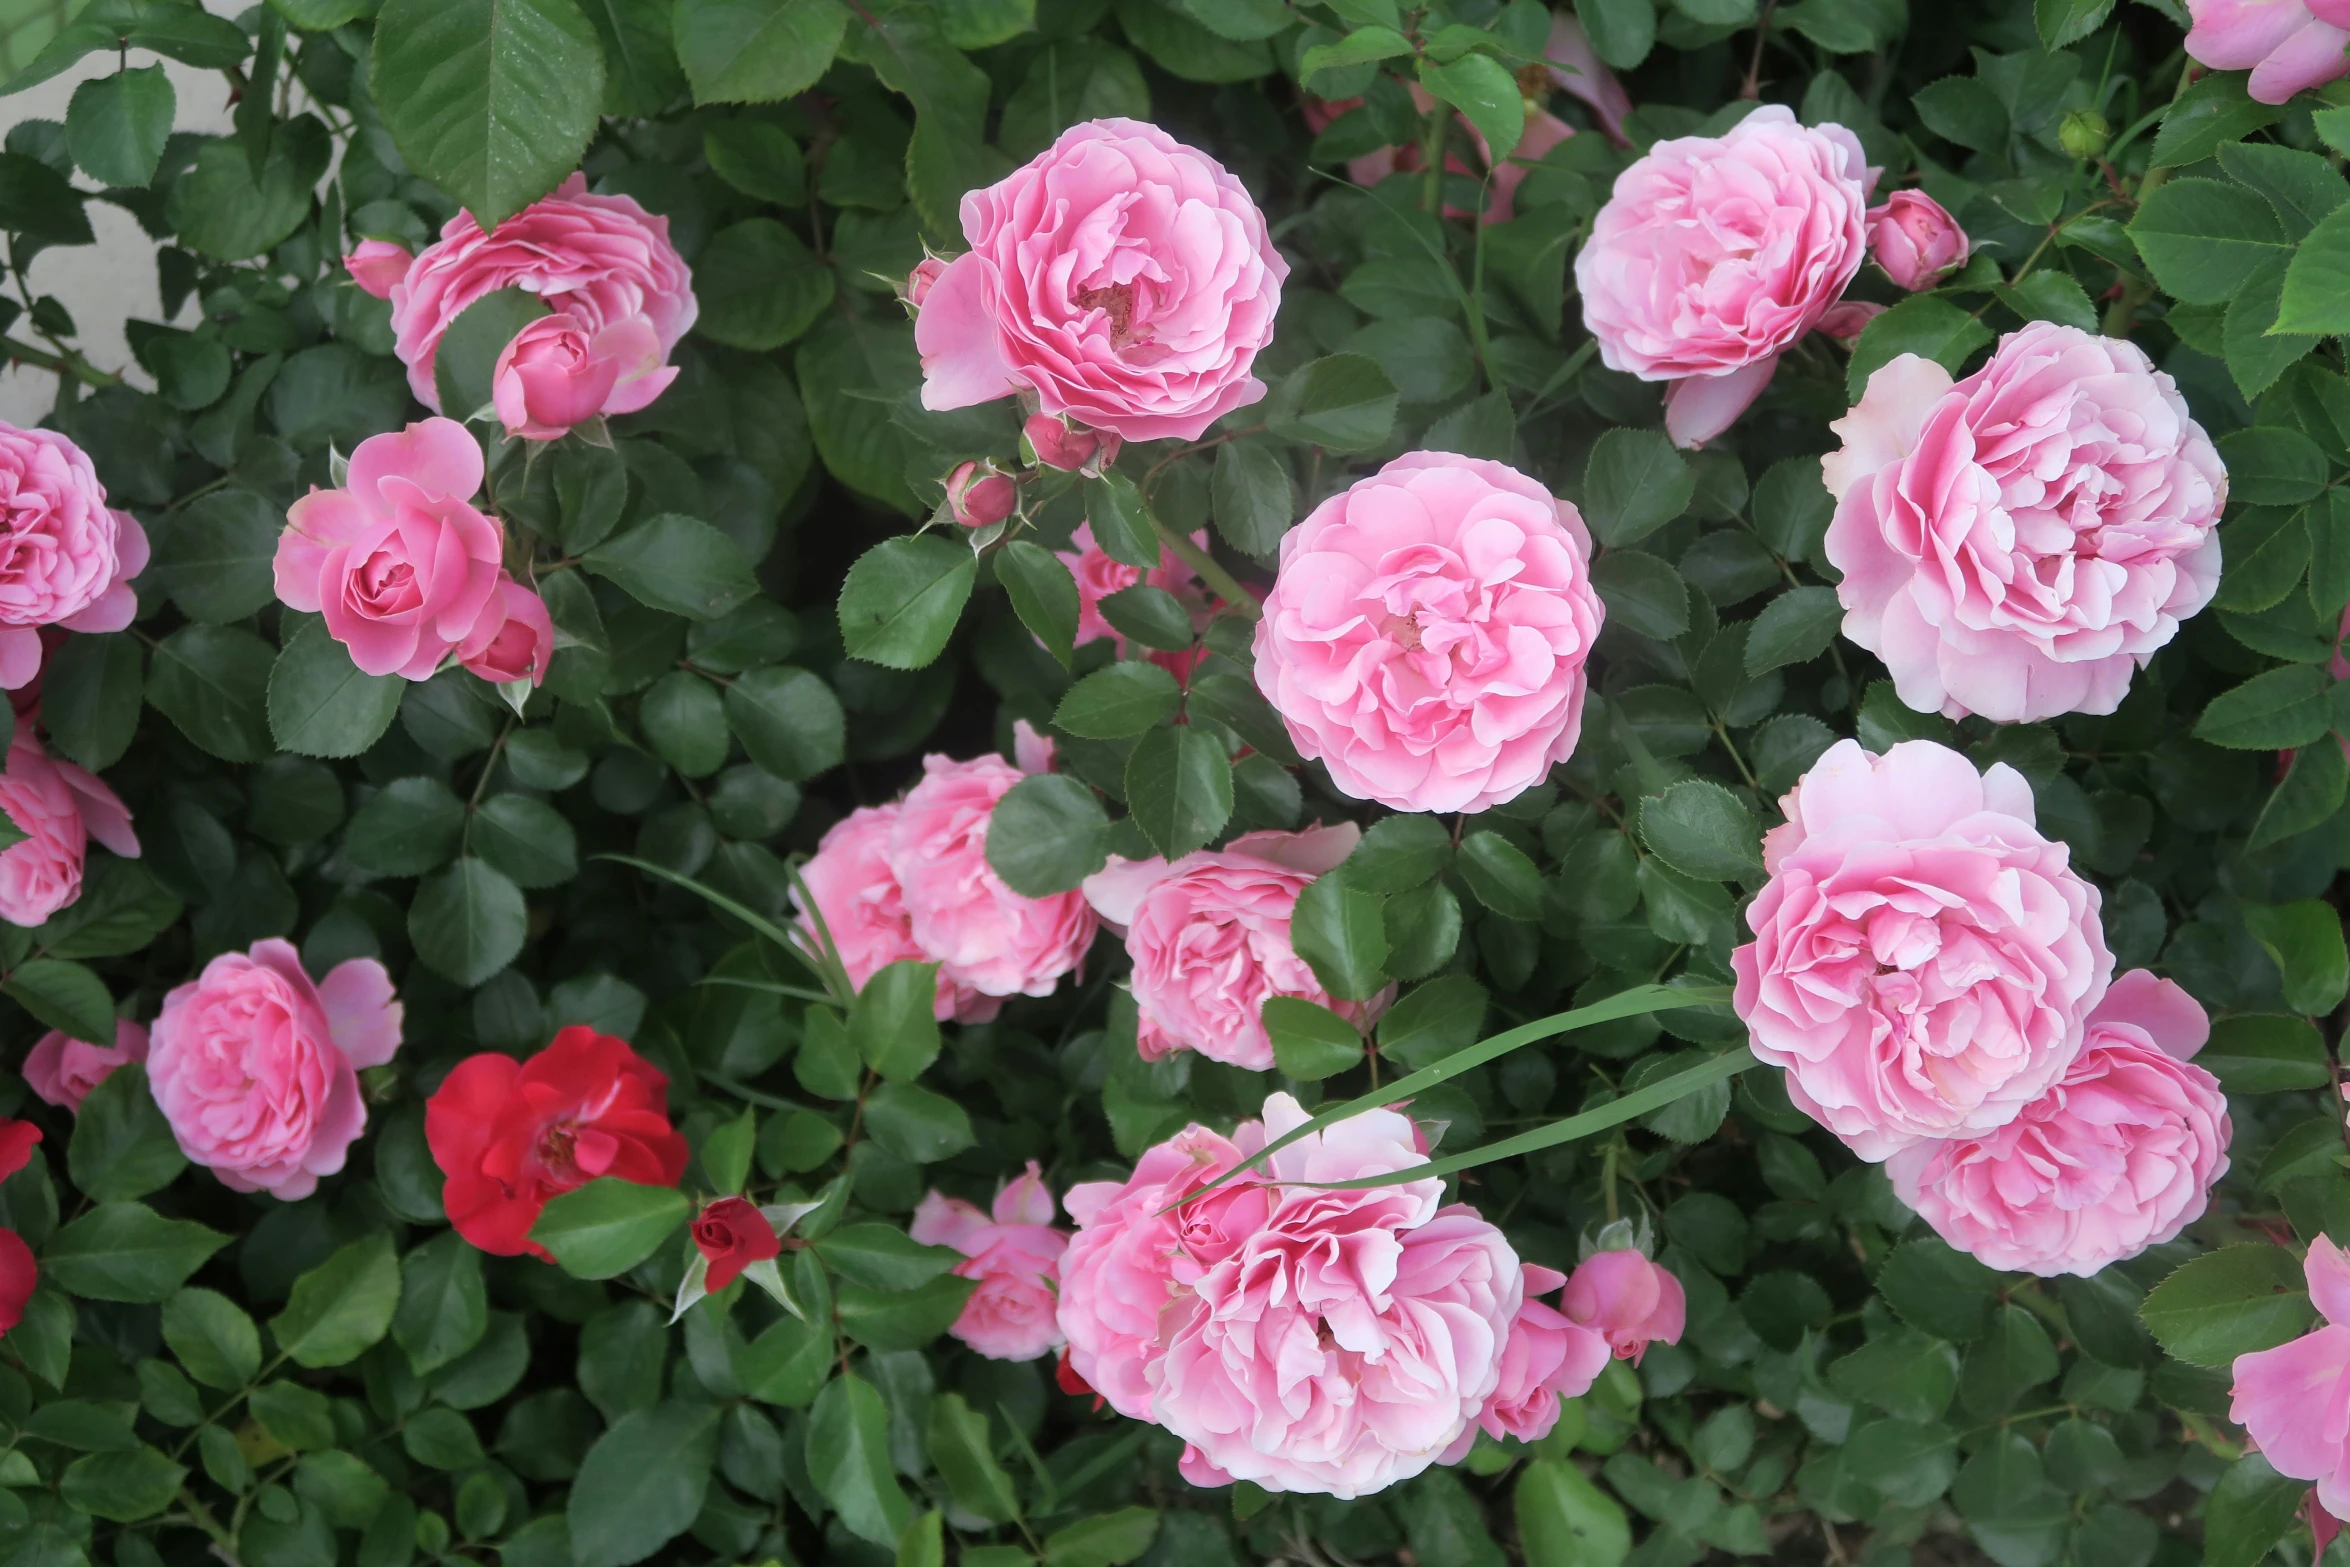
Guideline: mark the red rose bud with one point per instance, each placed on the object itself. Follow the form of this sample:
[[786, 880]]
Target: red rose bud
[[732, 1234], [980, 497], [1057, 445], [1915, 241]]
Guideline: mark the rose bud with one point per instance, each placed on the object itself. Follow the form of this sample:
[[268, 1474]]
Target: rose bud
[[2084, 133], [1848, 318], [1915, 241], [376, 265], [918, 282], [1627, 1300], [1058, 445], [980, 497], [731, 1234]]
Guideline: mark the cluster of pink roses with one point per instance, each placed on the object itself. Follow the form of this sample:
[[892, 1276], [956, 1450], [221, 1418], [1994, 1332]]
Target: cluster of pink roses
[[1933, 976]]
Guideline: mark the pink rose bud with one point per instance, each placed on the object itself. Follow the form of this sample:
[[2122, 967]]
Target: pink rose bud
[[1059, 446], [64, 1071], [377, 265], [513, 640], [1915, 241], [1628, 1300], [980, 497], [919, 282], [558, 372], [1847, 319]]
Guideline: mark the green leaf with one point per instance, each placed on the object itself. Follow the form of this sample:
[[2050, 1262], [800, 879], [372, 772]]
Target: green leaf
[[917, 1125], [127, 1251], [1483, 89], [2316, 293], [1642, 593], [2257, 1054], [213, 683], [465, 362], [1634, 484], [492, 100], [2063, 22], [759, 286], [963, 1451], [849, 1460], [603, 1229], [66, 996], [1437, 1019], [1934, 1287], [295, 1416], [116, 125], [1362, 46], [213, 1338], [2213, 112], [684, 720], [122, 1487], [884, 1257], [1122, 699], [2271, 465], [1339, 929], [1703, 830], [1500, 875], [1179, 788], [1923, 324], [1343, 403], [2248, 1511], [1150, 616], [676, 563], [40, 203], [444, 1304], [90, 697], [1105, 1540], [1121, 522], [1252, 496], [343, 1307], [756, 51], [1047, 834], [891, 1320], [2050, 296], [468, 921], [900, 601], [2227, 1303], [1043, 593], [1399, 853], [2201, 238], [322, 704], [892, 1026], [1794, 628], [408, 827], [1310, 1042], [214, 556], [788, 720], [2305, 939], [122, 1146], [642, 1484], [2270, 712], [1563, 1518], [222, 211], [1622, 31]]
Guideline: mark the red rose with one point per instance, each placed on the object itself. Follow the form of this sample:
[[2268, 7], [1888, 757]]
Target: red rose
[[732, 1234], [511, 1134], [18, 1272]]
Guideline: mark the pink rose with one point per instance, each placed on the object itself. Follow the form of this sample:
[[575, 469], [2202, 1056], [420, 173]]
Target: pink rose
[[59, 808], [2289, 46], [2118, 1156], [1848, 318], [1915, 241], [1015, 1253], [921, 281], [1923, 958], [1098, 576], [514, 639], [1427, 633], [1627, 1300], [558, 371], [400, 563], [982, 933], [602, 260], [64, 1070], [1124, 279], [980, 497], [2016, 544], [1059, 444], [378, 266], [2295, 1399], [1578, 70], [1715, 253], [863, 909], [257, 1069], [1548, 1356], [66, 557], [1209, 936]]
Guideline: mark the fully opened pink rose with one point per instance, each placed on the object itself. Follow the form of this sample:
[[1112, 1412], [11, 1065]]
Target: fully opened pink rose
[[1124, 280], [1427, 633], [2289, 46], [1548, 1356], [600, 260], [864, 909], [66, 557], [1923, 958], [400, 563], [257, 1069], [2016, 544], [59, 808], [1715, 253], [2295, 1399], [2118, 1155], [1014, 1251], [1209, 936], [63, 1070]]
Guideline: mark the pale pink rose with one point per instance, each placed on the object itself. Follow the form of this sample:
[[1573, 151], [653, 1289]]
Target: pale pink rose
[[2016, 544], [60, 808], [1098, 576], [980, 497], [921, 281], [1923, 958], [863, 909], [377, 266], [1548, 1356], [981, 933], [601, 260], [1915, 241], [1627, 1300], [1015, 1253], [400, 563], [559, 371], [2118, 1156], [257, 1069], [1059, 444], [2289, 46], [514, 639], [1124, 279], [1209, 936], [63, 1070], [66, 557], [2295, 1399], [1427, 633], [1715, 253]]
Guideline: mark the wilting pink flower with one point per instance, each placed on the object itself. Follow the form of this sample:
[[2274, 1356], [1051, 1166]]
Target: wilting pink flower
[[1124, 279], [257, 1069], [601, 260], [1915, 241], [559, 371], [1923, 958], [979, 497], [981, 933], [2295, 1399], [63, 1070], [921, 281], [59, 808], [378, 266], [1209, 936], [864, 909], [1715, 253], [2289, 46], [400, 563], [1015, 1254], [1098, 576], [2117, 1156], [1427, 632], [66, 557], [2017, 543], [1627, 1300], [1548, 1356], [514, 638], [1058, 444]]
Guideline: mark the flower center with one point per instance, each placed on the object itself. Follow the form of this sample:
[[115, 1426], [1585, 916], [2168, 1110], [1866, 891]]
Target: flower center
[[1116, 301]]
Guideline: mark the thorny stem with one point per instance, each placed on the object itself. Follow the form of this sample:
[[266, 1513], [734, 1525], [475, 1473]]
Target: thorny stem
[[67, 363]]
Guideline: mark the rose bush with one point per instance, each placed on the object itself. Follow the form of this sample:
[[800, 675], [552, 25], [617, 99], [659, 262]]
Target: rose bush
[[1169, 783]]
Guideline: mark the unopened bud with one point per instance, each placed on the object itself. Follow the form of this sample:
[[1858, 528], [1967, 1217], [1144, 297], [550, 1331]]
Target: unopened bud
[[2084, 133]]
